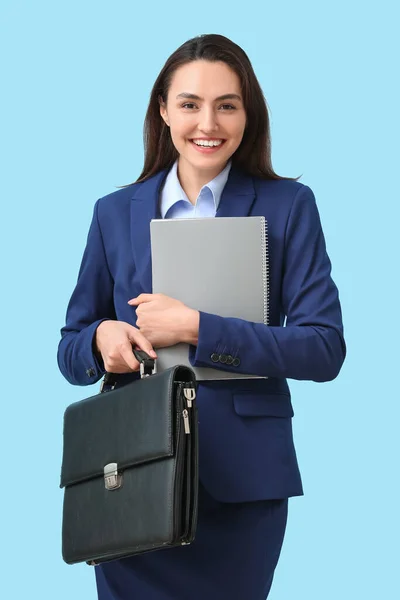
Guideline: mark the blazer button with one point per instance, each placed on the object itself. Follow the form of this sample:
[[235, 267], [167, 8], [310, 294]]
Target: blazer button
[[236, 362], [215, 357], [223, 358], [229, 359]]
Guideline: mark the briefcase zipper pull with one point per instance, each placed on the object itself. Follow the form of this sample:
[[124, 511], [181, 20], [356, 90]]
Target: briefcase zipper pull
[[185, 415], [190, 395]]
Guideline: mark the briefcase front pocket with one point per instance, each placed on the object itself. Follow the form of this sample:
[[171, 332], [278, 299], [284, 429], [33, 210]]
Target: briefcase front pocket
[[130, 470]]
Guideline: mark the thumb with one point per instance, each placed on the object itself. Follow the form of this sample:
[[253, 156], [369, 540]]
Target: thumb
[[137, 338]]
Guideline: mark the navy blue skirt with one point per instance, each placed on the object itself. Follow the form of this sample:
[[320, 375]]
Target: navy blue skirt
[[233, 557]]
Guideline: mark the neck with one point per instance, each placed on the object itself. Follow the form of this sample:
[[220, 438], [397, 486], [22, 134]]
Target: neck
[[192, 179]]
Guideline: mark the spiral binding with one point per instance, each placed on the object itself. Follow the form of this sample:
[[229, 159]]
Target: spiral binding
[[265, 268]]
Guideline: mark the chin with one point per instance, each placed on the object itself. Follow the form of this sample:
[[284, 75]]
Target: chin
[[206, 165], [210, 159]]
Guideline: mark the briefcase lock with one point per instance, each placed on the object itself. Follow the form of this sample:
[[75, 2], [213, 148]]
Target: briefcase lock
[[112, 479]]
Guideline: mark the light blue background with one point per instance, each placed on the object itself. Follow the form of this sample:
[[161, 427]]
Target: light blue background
[[75, 81]]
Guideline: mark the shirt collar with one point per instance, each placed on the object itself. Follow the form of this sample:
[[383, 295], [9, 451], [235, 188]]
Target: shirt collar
[[173, 192]]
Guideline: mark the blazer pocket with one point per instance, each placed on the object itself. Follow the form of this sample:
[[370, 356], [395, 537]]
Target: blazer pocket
[[248, 404]]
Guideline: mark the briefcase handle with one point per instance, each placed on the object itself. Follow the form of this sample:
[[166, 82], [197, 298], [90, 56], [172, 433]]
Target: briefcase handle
[[147, 367], [147, 364]]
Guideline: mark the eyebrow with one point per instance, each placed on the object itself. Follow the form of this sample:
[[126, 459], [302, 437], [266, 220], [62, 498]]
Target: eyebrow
[[190, 96]]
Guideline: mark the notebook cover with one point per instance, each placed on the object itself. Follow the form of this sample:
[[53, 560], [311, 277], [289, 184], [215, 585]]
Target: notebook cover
[[216, 265]]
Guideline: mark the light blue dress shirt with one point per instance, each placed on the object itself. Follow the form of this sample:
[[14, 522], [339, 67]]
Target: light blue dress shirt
[[176, 205]]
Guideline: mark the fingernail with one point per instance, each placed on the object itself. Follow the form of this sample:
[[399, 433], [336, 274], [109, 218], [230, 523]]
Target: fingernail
[[153, 354]]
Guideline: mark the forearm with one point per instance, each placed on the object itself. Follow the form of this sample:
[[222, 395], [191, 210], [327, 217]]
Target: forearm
[[77, 358], [190, 333], [306, 352]]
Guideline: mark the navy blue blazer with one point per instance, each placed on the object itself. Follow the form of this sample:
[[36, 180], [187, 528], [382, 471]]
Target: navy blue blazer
[[246, 443]]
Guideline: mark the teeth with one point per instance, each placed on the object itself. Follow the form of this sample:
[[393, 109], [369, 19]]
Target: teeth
[[207, 143]]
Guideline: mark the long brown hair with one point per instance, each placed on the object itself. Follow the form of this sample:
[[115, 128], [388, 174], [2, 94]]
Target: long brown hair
[[254, 153]]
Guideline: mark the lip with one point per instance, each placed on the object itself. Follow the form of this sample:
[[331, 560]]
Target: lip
[[207, 150]]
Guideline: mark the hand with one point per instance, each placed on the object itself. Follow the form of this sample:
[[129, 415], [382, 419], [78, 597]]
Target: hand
[[114, 341], [165, 321]]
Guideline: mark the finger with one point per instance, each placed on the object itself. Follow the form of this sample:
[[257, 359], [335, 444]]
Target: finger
[[139, 299], [138, 339], [129, 357]]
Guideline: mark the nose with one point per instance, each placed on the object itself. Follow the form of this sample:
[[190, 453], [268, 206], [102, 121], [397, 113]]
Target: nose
[[208, 121]]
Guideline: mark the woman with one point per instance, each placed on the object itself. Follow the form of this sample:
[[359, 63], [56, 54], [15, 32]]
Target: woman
[[208, 154]]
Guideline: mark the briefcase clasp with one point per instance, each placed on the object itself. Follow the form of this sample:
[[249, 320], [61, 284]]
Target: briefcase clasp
[[112, 479]]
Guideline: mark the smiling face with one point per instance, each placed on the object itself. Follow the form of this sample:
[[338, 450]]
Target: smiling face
[[205, 113]]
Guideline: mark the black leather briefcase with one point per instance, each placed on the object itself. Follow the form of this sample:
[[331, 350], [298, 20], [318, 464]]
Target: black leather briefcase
[[130, 467]]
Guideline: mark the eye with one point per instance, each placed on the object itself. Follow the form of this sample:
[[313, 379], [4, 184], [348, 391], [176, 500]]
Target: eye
[[224, 107]]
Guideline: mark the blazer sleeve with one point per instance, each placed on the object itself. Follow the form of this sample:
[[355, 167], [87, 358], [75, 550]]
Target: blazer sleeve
[[90, 304], [311, 346]]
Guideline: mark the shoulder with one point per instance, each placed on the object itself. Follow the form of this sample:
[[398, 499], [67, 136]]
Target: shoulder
[[286, 194], [116, 200], [112, 211], [283, 188], [120, 200]]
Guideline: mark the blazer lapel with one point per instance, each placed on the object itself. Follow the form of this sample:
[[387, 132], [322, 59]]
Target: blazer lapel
[[238, 195], [144, 208]]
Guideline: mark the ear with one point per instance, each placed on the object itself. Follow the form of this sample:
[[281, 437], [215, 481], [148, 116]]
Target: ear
[[163, 111]]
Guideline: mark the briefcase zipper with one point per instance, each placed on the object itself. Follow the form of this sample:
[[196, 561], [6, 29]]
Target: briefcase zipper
[[185, 416], [190, 395]]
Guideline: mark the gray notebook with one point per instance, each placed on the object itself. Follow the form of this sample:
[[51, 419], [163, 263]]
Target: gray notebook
[[216, 265]]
